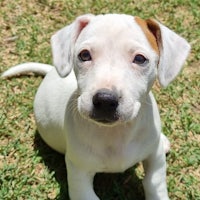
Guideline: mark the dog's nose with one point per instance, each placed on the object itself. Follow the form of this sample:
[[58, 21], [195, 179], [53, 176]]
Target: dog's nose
[[105, 103]]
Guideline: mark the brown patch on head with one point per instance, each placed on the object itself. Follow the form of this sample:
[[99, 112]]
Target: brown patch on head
[[152, 31]]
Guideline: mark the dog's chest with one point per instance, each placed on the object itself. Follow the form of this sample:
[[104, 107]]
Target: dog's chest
[[109, 154], [118, 158]]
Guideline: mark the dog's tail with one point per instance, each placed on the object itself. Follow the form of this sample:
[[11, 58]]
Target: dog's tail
[[25, 68]]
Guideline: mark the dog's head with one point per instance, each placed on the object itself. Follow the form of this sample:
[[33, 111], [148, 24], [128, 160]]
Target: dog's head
[[116, 59]]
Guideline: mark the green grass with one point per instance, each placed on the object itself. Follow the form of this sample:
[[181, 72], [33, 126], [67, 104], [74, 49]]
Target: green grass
[[31, 170]]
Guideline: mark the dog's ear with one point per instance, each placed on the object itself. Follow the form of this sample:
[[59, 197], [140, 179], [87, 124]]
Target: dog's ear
[[62, 43], [173, 51]]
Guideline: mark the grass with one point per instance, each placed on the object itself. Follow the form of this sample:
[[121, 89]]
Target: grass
[[29, 169]]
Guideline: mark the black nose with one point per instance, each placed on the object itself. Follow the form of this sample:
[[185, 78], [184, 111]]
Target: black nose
[[105, 103]]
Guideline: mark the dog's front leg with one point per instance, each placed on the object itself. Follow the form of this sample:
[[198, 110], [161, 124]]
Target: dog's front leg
[[80, 183], [154, 182]]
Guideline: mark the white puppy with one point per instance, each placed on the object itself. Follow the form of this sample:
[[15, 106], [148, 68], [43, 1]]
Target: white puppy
[[97, 107]]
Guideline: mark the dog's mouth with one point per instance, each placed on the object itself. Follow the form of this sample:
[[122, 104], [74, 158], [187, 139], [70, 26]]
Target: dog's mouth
[[107, 118]]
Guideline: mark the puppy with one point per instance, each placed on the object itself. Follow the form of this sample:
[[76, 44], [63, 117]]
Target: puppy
[[96, 107]]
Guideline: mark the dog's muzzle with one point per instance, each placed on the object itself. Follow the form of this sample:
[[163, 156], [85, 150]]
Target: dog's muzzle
[[105, 103]]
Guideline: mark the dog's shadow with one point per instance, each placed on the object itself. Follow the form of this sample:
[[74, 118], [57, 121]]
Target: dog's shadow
[[123, 186]]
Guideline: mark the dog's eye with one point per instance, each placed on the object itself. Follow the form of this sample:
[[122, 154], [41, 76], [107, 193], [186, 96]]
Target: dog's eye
[[84, 56], [140, 59]]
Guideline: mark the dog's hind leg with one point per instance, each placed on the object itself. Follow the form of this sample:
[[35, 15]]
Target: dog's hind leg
[[166, 143]]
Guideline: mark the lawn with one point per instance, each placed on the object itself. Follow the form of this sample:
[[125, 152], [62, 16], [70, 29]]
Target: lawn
[[29, 169]]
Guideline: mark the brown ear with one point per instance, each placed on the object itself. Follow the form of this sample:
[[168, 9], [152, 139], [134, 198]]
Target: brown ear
[[155, 30], [151, 31], [171, 48], [173, 51]]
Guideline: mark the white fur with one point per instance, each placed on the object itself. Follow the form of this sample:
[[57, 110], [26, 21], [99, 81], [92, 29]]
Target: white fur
[[175, 50], [25, 68], [63, 106]]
